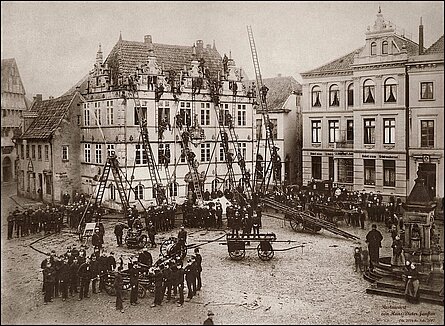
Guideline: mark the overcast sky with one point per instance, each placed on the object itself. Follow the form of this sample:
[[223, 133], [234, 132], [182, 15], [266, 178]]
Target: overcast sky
[[55, 43]]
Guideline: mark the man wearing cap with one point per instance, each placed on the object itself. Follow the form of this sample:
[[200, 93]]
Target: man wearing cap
[[111, 262], [133, 271], [85, 275], [96, 240], [397, 251], [151, 234], [118, 284], [182, 237], [209, 320]]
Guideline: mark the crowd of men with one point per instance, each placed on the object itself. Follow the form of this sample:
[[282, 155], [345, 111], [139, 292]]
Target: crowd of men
[[354, 205], [77, 274], [32, 221]]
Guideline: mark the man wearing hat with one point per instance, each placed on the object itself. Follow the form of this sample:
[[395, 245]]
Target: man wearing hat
[[133, 271], [209, 320]]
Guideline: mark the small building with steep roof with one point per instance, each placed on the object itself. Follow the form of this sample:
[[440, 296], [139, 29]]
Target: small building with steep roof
[[48, 149]]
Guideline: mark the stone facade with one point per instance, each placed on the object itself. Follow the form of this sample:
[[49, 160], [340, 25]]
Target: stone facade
[[355, 115]]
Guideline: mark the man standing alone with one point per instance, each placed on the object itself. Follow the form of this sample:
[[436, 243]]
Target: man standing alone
[[374, 239]]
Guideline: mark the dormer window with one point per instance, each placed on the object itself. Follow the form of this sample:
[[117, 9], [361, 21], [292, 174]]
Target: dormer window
[[390, 90], [368, 91], [373, 48], [384, 47], [333, 96], [316, 92]]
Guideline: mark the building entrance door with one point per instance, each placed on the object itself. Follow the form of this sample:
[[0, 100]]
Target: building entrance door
[[7, 169], [40, 190], [427, 171]]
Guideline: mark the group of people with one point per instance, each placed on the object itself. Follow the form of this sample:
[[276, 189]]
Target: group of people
[[31, 221], [207, 215], [71, 273]]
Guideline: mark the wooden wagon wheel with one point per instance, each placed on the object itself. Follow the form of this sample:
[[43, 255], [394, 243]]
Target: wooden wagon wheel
[[167, 245], [237, 249], [265, 250], [142, 292], [296, 225], [237, 254]]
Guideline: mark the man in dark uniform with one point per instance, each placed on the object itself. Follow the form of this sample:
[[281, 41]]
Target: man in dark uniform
[[11, 220], [96, 240], [133, 271], [64, 278], [118, 286], [374, 239], [158, 287], [84, 273], [95, 273], [118, 232], [74, 279], [182, 237], [218, 212], [145, 259], [198, 259], [19, 224], [151, 234], [190, 277]]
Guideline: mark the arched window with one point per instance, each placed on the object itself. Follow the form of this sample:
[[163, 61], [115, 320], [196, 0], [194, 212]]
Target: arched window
[[316, 93], [139, 192], [368, 91], [173, 188], [384, 47], [390, 90], [351, 95], [334, 95], [373, 48]]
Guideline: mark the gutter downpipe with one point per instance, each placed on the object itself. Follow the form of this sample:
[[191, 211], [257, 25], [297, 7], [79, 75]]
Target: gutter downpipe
[[407, 131]]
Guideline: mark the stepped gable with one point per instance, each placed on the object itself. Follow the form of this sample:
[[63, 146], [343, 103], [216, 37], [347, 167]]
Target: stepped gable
[[50, 114], [437, 47], [126, 56]]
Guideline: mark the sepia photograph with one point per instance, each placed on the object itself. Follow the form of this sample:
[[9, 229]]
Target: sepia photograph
[[222, 162]]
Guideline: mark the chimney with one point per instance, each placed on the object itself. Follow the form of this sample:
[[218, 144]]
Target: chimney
[[51, 97], [38, 97], [147, 39], [279, 75], [420, 37], [208, 46], [199, 44]]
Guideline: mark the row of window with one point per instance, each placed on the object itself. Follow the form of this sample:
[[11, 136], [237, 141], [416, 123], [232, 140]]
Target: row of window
[[139, 190], [384, 48], [8, 112], [163, 153], [368, 95], [185, 112], [345, 170], [389, 132], [26, 149]]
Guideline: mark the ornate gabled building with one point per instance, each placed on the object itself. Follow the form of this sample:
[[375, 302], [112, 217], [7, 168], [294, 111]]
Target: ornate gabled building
[[14, 103], [355, 115], [48, 150], [172, 83]]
